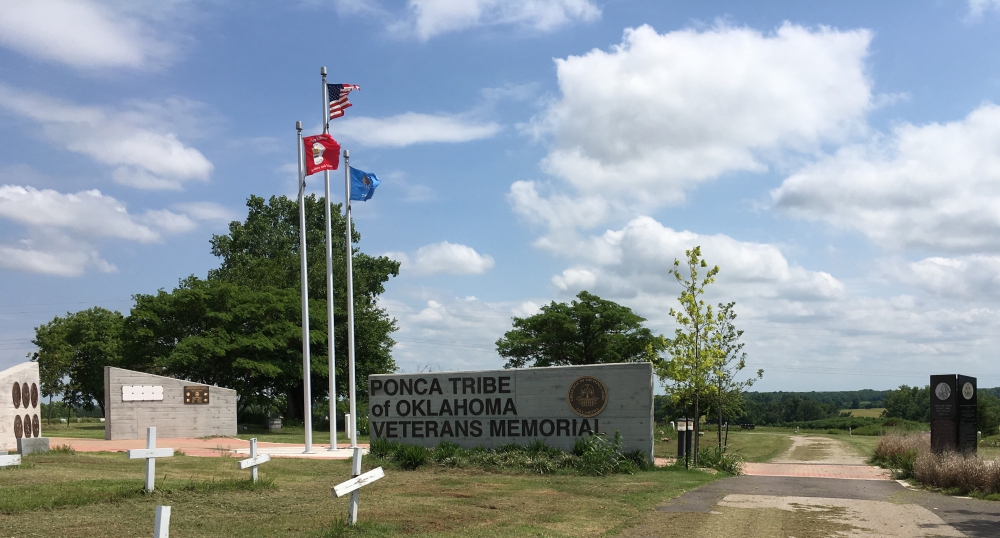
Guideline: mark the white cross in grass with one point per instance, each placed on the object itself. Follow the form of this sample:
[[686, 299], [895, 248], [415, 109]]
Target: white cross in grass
[[13, 459], [352, 485], [254, 460], [150, 453]]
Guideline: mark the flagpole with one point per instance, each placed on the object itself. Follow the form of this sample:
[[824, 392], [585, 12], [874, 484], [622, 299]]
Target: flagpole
[[352, 513], [306, 381], [330, 351]]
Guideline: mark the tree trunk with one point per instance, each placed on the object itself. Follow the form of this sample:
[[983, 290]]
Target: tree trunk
[[697, 428], [720, 415]]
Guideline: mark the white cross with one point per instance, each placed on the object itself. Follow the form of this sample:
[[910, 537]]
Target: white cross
[[6, 461], [150, 453], [161, 525], [254, 460], [352, 485]]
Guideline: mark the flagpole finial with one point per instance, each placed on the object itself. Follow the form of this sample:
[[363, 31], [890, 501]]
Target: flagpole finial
[[347, 154], [322, 70], [298, 126]]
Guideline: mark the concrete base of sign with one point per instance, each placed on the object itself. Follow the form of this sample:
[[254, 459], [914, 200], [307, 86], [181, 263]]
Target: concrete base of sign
[[32, 445]]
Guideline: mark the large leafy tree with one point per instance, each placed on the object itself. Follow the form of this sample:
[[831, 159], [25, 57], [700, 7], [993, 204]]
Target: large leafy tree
[[217, 332], [262, 253], [73, 351], [692, 354], [589, 330]]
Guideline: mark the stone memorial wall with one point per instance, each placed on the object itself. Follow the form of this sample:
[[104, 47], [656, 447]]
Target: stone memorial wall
[[134, 401], [20, 407], [953, 413], [555, 405]]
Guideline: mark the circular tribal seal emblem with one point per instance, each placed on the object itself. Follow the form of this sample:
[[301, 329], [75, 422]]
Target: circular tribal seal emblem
[[587, 396], [967, 391], [942, 391]]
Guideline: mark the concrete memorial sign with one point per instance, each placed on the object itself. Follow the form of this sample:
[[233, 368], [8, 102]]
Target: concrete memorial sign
[[556, 405], [19, 405], [134, 401], [953, 413]]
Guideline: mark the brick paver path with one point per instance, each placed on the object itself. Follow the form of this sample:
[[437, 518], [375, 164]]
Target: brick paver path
[[816, 470], [213, 446]]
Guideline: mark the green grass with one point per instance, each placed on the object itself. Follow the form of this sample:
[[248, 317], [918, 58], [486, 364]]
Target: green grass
[[99, 494], [759, 445], [79, 430], [873, 413]]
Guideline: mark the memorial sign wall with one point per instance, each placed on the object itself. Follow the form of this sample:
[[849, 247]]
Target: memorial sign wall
[[19, 405], [134, 401], [556, 405], [953, 413]]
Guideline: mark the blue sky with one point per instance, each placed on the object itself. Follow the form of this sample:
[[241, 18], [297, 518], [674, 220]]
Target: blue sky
[[840, 161]]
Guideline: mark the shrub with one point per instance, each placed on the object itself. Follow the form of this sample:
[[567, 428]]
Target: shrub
[[962, 474], [411, 457], [720, 460], [898, 452], [593, 455]]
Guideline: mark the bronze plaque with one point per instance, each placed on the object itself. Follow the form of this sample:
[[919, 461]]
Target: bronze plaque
[[17, 427], [27, 425], [17, 395], [34, 395], [196, 395], [588, 396], [25, 395], [36, 426]]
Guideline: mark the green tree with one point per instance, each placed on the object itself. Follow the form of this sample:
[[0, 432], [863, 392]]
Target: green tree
[[729, 360], [589, 330], [262, 253], [217, 332], [73, 351], [910, 403], [686, 373], [987, 413]]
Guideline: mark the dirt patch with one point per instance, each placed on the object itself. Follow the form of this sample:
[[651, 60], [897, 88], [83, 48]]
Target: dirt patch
[[819, 450]]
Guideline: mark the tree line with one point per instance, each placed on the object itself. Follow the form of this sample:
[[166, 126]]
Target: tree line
[[240, 326], [699, 366]]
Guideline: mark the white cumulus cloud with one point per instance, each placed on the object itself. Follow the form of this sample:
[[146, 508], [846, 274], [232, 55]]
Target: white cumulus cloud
[[934, 186], [428, 18], [445, 257], [637, 126], [81, 34], [137, 141], [61, 228], [411, 128]]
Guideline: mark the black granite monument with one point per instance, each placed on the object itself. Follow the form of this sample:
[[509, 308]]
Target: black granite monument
[[953, 413]]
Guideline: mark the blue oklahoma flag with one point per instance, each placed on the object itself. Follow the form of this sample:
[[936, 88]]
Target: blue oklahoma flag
[[362, 184]]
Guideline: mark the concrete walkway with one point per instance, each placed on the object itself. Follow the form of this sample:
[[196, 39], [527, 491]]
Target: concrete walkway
[[210, 446], [819, 487]]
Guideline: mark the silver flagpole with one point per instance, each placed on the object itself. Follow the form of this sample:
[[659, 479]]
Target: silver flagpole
[[306, 381], [352, 514], [330, 352]]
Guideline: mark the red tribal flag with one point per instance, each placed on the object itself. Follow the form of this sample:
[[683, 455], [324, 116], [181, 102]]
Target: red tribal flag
[[322, 153], [337, 95]]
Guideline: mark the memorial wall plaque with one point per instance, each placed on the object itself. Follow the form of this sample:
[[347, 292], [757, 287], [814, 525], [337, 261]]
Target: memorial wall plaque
[[196, 395], [966, 401], [944, 424]]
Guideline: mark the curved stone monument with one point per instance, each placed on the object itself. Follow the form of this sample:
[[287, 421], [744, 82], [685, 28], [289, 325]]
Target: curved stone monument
[[20, 408]]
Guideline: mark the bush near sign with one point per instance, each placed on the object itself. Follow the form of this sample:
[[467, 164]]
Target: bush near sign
[[556, 405]]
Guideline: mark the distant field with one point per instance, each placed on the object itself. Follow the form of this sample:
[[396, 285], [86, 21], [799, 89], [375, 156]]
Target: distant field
[[875, 412]]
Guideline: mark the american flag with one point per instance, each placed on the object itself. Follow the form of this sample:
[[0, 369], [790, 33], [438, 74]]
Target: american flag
[[337, 94]]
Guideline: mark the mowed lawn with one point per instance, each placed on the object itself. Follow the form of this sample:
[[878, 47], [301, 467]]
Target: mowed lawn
[[759, 445], [99, 494]]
